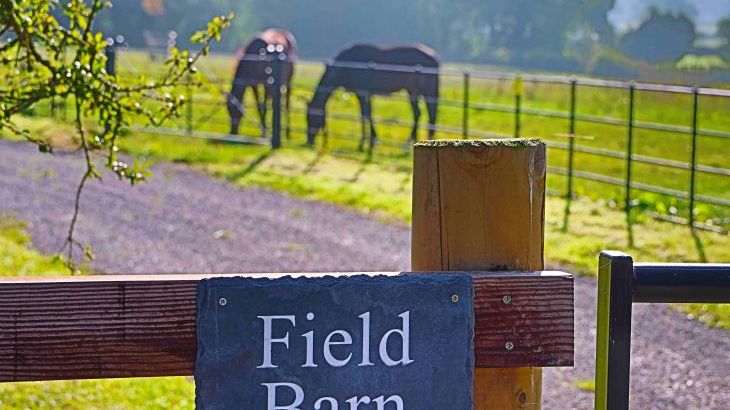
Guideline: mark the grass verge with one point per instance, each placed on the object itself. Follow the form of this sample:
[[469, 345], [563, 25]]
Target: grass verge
[[118, 394], [588, 385], [18, 259], [382, 187]]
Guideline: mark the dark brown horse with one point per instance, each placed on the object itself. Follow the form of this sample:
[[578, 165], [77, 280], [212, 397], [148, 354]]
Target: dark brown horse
[[255, 69], [367, 70]]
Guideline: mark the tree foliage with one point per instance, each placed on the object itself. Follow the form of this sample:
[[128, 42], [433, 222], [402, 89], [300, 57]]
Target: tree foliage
[[661, 38], [509, 31], [50, 49], [723, 31]]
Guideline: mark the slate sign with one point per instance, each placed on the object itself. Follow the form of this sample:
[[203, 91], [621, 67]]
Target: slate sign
[[359, 342]]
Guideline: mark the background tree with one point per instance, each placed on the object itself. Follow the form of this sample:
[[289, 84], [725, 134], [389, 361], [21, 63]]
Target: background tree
[[51, 49], [662, 37], [460, 30], [723, 31]]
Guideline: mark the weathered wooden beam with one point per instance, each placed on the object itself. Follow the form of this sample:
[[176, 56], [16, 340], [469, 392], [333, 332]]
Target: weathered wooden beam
[[144, 325], [479, 205]]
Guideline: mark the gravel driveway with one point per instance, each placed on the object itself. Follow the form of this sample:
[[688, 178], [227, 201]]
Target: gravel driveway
[[184, 221]]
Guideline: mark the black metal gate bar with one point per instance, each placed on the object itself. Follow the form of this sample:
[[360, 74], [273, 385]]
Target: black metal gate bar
[[681, 283], [620, 284]]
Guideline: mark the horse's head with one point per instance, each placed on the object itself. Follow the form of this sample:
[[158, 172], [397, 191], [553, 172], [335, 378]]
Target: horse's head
[[315, 121]]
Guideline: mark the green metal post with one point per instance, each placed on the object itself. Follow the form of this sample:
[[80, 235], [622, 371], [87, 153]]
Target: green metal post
[[276, 64], [571, 151], [371, 138], [629, 151], [693, 169], [518, 103], [613, 330], [465, 108]]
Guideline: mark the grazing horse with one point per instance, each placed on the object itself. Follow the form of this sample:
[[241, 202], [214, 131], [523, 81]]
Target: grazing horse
[[366, 70], [254, 69]]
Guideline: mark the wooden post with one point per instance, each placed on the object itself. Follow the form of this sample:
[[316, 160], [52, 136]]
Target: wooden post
[[479, 205], [276, 64]]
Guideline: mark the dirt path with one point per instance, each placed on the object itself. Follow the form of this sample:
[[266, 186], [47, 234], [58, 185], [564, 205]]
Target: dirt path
[[184, 221]]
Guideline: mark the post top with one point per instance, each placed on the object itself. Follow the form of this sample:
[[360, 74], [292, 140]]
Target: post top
[[491, 142]]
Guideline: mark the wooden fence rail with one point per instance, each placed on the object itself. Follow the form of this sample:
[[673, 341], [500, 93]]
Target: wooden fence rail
[[144, 325]]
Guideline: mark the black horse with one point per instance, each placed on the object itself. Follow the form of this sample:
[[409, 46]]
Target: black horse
[[367, 70], [255, 69]]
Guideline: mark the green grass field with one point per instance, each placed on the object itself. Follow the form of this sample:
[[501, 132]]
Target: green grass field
[[393, 116]]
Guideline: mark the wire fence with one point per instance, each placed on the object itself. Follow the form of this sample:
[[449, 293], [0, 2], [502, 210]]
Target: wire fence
[[632, 154]]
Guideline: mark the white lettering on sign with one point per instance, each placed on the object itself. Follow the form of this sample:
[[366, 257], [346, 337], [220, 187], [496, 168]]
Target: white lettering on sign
[[353, 402], [337, 351], [365, 340], [381, 402], [271, 396], [332, 402], [268, 340], [405, 336], [356, 401], [346, 340]]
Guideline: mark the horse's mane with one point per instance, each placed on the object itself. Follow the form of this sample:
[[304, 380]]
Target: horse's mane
[[418, 46], [426, 50]]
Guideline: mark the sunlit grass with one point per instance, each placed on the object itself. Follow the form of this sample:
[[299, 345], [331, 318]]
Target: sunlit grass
[[393, 116], [110, 394], [209, 114], [17, 258], [588, 385]]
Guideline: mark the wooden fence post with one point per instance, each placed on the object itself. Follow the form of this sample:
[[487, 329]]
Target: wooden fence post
[[276, 66], [479, 205]]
